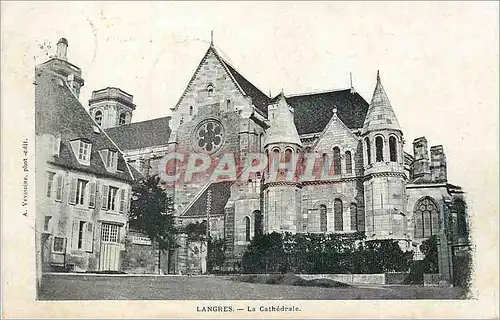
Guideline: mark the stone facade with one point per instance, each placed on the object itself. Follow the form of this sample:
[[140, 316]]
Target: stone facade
[[359, 179]]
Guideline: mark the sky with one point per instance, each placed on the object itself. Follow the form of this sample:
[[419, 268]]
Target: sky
[[438, 61]]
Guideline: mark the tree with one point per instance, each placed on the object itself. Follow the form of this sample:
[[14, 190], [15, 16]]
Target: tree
[[151, 212]]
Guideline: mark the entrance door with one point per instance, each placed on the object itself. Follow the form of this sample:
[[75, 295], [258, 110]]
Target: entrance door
[[109, 257]]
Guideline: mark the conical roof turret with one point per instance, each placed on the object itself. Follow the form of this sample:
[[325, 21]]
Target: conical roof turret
[[380, 114], [282, 128]]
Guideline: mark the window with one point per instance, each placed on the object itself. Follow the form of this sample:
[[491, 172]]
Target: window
[[50, 183], [46, 223], [58, 245], [84, 151], [55, 144], [368, 151], [109, 232], [461, 218], [210, 89], [261, 142], [80, 191], [379, 146], [228, 104], [354, 217], [337, 166], [190, 110], [77, 191], [326, 165], [426, 218], [110, 159], [393, 149], [338, 218], [276, 159], [98, 117], [323, 222], [81, 234], [247, 228], [258, 227], [288, 159], [123, 119], [109, 197], [348, 162]]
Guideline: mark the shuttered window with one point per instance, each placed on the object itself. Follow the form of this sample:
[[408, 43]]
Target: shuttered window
[[122, 201], [50, 183], [72, 191], [59, 187], [105, 189]]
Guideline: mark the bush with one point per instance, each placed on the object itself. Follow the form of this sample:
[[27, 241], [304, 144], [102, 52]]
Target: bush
[[323, 253]]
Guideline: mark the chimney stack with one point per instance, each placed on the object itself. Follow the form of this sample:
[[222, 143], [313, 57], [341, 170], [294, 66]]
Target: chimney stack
[[438, 164], [62, 49], [421, 167]]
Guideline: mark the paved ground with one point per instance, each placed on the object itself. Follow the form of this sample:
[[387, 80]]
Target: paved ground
[[91, 287]]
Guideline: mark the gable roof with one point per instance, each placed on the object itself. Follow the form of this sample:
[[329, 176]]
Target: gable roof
[[58, 112], [155, 132], [259, 99], [313, 111], [221, 191]]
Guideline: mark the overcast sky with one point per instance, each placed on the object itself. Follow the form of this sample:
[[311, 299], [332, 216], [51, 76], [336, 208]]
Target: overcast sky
[[438, 61]]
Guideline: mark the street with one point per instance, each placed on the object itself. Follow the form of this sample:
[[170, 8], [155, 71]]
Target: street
[[126, 287]]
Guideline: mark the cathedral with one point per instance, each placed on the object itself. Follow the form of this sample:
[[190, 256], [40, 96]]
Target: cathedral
[[359, 179]]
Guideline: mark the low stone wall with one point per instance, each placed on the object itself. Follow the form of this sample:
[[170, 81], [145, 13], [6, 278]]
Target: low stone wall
[[140, 256], [348, 278]]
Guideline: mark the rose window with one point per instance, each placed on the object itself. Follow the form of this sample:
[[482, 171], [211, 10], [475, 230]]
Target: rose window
[[208, 136]]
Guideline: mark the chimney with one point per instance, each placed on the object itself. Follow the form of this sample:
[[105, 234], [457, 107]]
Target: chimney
[[438, 164], [421, 167], [62, 49]]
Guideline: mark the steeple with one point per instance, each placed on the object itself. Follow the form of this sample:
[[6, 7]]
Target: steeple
[[282, 126], [380, 114]]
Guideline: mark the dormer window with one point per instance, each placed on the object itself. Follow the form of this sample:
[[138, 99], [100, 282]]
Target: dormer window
[[82, 149], [110, 159], [55, 143]]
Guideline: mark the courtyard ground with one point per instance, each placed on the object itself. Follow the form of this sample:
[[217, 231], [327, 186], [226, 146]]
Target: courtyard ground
[[125, 287]]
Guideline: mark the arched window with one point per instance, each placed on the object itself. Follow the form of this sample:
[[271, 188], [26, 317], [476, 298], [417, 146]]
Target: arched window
[[354, 217], [258, 227], [276, 159], [348, 162], [98, 117], [368, 151], [337, 166], [338, 218], [122, 120], [393, 149], [323, 223], [379, 146], [247, 228], [210, 89], [326, 164], [426, 218], [190, 110], [289, 159]]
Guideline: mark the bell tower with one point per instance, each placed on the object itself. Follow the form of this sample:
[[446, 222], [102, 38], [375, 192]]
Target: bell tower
[[384, 182], [282, 192], [111, 107]]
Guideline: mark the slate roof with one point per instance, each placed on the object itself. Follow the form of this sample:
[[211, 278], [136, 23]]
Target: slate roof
[[221, 191], [259, 99], [313, 111], [155, 132], [58, 112], [380, 113], [282, 126]]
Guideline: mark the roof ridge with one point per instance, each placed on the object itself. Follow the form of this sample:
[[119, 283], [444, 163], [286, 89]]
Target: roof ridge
[[139, 122], [315, 92]]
